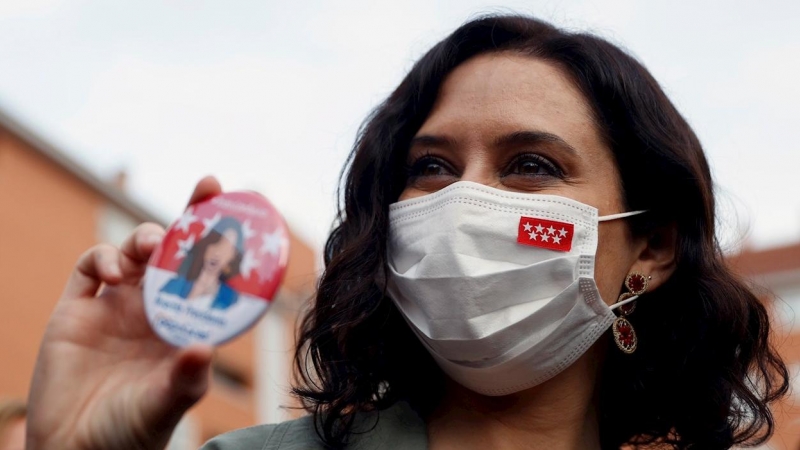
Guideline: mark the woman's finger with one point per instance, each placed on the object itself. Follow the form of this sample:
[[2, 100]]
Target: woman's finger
[[140, 244], [99, 264], [138, 247], [206, 187]]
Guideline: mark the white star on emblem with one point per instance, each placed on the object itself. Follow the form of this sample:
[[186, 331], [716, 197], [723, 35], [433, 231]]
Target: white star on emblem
[[551, 230], [272, 243], [184, 246], [247, 232], [545, 238], [210, 223], [539, 228], [186, 220], [557, 239], [249, 262], [562, 232], [527, 227], [532, 235]]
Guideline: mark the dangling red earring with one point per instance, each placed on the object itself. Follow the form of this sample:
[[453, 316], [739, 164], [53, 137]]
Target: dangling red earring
[[624, 334]]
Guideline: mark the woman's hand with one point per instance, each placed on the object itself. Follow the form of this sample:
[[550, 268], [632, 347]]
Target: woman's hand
[[103, 379]]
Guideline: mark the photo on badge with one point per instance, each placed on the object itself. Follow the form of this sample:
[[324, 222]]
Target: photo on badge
[[217, 269]]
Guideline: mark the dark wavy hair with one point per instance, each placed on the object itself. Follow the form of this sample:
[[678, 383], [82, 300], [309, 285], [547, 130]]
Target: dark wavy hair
[[705, 371]]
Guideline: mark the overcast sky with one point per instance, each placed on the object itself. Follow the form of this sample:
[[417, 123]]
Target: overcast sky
[[268, 95]]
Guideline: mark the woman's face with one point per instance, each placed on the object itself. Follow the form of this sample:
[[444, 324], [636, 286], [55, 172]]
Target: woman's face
[[219, 254], [519, 124]]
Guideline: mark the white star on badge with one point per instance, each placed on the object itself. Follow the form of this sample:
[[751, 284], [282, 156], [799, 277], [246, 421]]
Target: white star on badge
[[562, 232], [539, 228], [186, 220], [557, 239], [272, 243], [551, 230], [249, 262], [527, 227], [247, 232], [184, 246], [210, 223], [545, 238], [532, 235]]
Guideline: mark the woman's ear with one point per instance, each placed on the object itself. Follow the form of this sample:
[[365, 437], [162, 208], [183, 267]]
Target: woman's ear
[[657, 258]]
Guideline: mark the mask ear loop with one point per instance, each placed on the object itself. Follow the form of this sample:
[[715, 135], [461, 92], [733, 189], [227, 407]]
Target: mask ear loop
[[624, 302], [620, 215]]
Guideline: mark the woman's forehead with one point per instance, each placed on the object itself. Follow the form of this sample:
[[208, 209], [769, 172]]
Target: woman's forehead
[[501, 93]]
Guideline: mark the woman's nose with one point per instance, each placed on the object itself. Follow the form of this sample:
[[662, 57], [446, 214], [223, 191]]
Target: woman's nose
[[479, 170]]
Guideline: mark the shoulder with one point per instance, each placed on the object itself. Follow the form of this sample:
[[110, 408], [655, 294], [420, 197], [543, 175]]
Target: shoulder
[[225, 298], [294, 434], [395, 427], [175, 286]]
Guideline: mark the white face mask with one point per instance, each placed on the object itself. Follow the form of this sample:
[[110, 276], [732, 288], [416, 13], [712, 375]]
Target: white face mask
[[499, 286]]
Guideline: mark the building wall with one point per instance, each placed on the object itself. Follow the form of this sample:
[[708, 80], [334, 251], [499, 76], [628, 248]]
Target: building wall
[[785, 306], [48, 219], [775, 275]]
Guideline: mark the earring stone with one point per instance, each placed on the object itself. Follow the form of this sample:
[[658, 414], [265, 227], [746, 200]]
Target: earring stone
[[636, 283]]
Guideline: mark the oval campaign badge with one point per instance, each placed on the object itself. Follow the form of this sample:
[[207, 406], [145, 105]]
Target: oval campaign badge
[[217, 269]]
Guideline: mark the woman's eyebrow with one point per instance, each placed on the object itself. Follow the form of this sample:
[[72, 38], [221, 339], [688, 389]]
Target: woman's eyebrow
[[534, 137], [428, 140]]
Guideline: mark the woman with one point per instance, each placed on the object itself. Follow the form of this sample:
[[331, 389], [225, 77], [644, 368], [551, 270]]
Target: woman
[[211, 262], [448, 316]]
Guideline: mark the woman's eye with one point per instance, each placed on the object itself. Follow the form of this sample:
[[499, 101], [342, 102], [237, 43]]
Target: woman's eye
[[529, 168], [428, 167], [431, 169], [533, 165]]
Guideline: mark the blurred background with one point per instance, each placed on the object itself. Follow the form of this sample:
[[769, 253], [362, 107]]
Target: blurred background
[[111, 111]]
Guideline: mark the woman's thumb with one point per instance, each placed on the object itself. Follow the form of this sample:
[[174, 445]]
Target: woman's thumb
[[163, 406], [190, 375]]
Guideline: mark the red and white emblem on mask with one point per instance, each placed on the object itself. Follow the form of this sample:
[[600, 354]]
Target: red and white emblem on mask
[[549, 234]]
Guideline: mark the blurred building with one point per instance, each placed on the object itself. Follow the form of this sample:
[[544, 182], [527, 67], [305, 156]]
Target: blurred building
[[52, 210], [775, 274]]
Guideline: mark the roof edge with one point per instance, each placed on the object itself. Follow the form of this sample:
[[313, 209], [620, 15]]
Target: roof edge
[[51, 152]]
